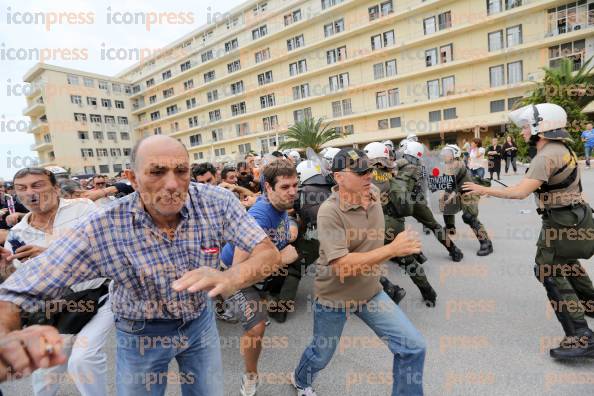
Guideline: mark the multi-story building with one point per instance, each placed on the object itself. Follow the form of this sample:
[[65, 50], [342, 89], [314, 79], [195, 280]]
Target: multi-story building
[[443, 69], [81, 121]]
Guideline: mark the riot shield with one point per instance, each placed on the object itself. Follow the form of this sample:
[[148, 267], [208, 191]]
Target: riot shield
[[441, 185]]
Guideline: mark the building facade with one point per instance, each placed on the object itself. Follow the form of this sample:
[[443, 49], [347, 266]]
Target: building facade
[[376, 70]]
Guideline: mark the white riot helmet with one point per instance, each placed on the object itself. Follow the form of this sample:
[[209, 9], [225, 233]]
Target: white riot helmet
[[378, 153], [286, 152], [308, 169], [402, 145], [295, 156], [414, 149], [546, 118], [412, 137], [330, 153], [389, 143], [451, 151]]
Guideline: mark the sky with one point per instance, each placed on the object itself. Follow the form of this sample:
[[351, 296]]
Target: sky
[[80, 34]]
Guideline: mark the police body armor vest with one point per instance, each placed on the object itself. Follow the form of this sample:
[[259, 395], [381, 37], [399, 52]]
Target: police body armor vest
[[381, 179], [311, 198]]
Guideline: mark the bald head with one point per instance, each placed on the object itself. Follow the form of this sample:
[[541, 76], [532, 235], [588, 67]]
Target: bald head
[[156, 147]]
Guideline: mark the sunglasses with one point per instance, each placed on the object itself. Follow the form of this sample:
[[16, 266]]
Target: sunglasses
[[361, 173]]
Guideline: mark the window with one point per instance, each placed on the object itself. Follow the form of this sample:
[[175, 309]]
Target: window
[[76, 99], [330, 3], [86, 152], [166, 74], [168, 92], [514, 36], [185, 66], [386, 69], [260, 8], [150, 82], [496, 76], [496, 40], [295, 42], [219, 151], [231, 45], [333, 28], [448, 85], [91, 101], [119, 104], [429, 25], [232, 22], [217, 134], [102, 152], [72, 79], [238, 108], [195, 140], [206, 56], [293, 17], [300, 91], [336, 55], [157, 131], [152, 99], [449, 114], [385, 39], [83, 135], [98, 135], [446, 53], [106, 103], [199, 156], [174, 126], [383, 124], [301, 115], [206, 36], [265, 78], [193, 121], [117, 168], [574, 51], [338, 82], [445, 20], [127, 152], [497, 106], [115, 152], [237, 88], [245, 148], [88, 82], [395, 122], [259, 32], [385, 99], [431, 57], [212, 95], [234, 66], [380, 10], [570, 17], [298, 67], [171, 110], [155, 115], [432, 89], [103, 169], [80, 117], [346, 130], [511, 102], [435, 116], [189, 84], [214, 115], [270, 123], [208, 77], [342, 107], [123, 120], [514, 72], [262, 55], [96, 118], [267, 101], [242, 129], [493, 6], [124, 136]]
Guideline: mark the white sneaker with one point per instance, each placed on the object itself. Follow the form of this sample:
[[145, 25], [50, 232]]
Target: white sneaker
[[302, 391], [249, 385]]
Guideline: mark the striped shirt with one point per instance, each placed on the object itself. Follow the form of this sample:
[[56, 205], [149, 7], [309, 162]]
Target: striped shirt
[[123, 243]]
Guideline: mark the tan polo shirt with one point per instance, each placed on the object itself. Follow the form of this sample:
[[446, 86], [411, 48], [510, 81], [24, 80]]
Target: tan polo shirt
[[342, 229], [552, 157]]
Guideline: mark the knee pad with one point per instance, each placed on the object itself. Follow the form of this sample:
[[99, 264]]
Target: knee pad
[[467, 218]]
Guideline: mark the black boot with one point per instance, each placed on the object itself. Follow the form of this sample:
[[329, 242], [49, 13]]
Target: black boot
[[581, 345], [450, 230], [486, 248], [455, 253], [395, 292], [429, 296]]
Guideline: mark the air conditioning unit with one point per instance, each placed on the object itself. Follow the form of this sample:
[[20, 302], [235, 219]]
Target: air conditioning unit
[[579, 27]]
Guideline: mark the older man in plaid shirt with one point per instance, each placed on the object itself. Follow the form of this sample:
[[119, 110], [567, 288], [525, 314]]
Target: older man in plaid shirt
[[161, 247]]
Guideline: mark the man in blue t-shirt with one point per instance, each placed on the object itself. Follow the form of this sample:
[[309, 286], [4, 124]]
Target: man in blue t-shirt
[[270, 211], [588, 139]]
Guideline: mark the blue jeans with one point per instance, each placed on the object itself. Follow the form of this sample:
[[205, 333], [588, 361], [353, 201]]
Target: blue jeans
[[145, 348], [587, 152], [388, 322], [478, 172]]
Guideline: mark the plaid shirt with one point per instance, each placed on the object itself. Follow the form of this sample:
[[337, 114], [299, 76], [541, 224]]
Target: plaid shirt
[[123, 243]]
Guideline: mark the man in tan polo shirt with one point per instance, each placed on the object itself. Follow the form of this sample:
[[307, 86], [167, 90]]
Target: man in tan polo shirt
[[352, 250]]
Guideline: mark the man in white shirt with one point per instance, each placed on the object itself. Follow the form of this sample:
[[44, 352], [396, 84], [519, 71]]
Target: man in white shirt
[[50, 218]]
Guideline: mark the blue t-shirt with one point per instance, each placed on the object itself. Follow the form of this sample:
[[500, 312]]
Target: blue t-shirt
[[589, 136], [274, 223]]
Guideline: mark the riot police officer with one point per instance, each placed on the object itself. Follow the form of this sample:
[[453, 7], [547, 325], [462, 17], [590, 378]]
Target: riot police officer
[[460, 201], [410, 168], [554, 177], [383, 178]]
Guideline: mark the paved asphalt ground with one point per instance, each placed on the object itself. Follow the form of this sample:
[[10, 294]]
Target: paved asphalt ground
[[488, 335]]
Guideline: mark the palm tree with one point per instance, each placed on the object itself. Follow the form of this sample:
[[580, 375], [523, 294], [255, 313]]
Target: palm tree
[[309, 133]]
